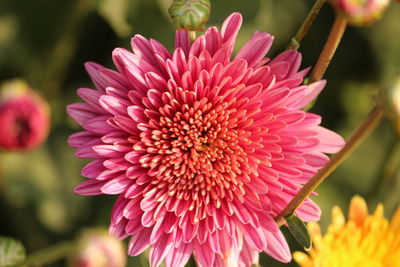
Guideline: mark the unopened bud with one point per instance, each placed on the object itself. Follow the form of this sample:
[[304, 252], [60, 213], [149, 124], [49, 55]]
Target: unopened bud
[[361, 12], [389, 98], [24, 117], [96, 248], [190, 15]]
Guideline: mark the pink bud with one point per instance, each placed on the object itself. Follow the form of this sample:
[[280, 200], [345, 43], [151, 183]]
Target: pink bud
[[24, 117], [361, 12], [96, 248]]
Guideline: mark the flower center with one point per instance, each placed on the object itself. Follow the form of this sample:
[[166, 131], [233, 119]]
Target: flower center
[[196, 152]]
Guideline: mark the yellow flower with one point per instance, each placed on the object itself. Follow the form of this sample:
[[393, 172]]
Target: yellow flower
[[363, 241]]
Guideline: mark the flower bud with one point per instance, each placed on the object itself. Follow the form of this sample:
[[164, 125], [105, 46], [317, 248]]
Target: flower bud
[[190, 15], [24, 117], [96, 248], [361, 12], [389, 99]]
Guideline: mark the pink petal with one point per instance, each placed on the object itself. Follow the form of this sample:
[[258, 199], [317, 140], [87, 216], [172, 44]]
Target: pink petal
[[93, 169], [230, 29], [182, 41], [139, 242], [89, 188], [98, 125], [254, 237], [330, 142], [308, 211], [202, 254], [248, 256], [80, 138], [256, 48], [292, 57], [179, 256], [310, 92], [116, 186], [91, 97], [93, 69], [142, 47], [159, 251], [277, 246], [80, 112]]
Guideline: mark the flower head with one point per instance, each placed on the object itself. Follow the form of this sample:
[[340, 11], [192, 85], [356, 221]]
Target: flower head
[[364, 240], [203, 149], [24, 117], [361, 12], [96, 248]]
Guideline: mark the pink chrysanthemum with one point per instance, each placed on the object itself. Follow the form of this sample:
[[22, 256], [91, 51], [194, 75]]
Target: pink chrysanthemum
[[203, 150]]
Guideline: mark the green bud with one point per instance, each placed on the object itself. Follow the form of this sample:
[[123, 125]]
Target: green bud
[[389, 99], [190, 15]]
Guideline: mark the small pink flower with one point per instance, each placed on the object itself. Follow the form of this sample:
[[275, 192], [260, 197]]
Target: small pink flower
[[24, 117], [96, 248], [361, 12], [203, 149]]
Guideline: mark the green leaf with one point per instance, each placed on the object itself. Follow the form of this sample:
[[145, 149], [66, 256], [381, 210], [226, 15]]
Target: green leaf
[[299, 231], [12, 252]]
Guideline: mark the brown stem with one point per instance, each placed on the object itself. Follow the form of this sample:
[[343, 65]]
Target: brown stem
[[295, 43], [354, 141], [329, 49]]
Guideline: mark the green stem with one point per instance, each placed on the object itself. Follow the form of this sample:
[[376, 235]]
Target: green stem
[[50, 254], [295, 43], [354, 141], [335, 35]]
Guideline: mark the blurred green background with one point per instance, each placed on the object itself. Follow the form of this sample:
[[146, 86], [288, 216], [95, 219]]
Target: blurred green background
[[47, 42]]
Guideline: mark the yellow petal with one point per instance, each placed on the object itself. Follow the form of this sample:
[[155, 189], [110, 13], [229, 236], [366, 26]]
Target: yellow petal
[[358, 210], [338, 220], [379, 211], [315, 231], [302, 259]]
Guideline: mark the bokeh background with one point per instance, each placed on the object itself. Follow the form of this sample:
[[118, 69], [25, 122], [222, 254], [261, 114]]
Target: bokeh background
[[46, 42]]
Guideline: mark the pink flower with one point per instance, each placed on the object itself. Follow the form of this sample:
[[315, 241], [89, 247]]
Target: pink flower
[[24, 117], [361, 12], [203, 150]]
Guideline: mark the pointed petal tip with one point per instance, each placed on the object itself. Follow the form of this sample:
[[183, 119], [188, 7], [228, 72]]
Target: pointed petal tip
[[234, 17], [92, 67], [231, 26], [88, 188]]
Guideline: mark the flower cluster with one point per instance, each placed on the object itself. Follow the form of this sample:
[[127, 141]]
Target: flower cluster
[[364, 240], [202, 148]]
